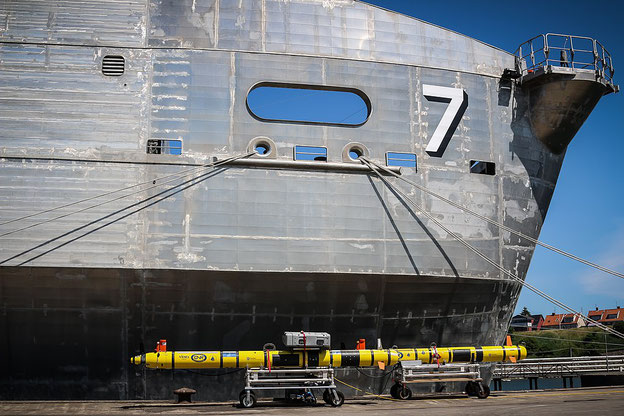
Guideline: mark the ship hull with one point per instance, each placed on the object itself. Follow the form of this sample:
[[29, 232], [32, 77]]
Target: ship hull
[[229, 258], [71, 333]]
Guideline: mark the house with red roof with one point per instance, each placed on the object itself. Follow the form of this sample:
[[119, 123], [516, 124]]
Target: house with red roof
[[606, 316], [562, 321]]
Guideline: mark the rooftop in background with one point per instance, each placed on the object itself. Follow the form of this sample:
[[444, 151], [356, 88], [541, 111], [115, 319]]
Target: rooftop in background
[[607, 316], [527, 323], [562, 321]]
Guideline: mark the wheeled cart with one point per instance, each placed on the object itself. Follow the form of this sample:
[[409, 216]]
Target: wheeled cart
[[407, 372], [297, 383]]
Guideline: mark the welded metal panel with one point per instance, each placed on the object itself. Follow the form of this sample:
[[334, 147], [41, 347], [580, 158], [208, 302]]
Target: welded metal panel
[[198, 97], [55, 101], [91, 22]]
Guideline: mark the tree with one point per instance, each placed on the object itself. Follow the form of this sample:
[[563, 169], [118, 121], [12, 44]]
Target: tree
[[525, 312]]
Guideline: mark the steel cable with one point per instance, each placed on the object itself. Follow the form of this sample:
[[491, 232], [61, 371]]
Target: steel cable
[[502, 226], [190, 182], [152, 181], [173, 188], [175, 176], [487, 259]]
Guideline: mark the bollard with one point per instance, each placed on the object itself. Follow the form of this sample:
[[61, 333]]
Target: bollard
[[184, 394]]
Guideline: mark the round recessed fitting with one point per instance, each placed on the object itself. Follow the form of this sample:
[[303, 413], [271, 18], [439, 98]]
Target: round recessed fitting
[[353, 151], [263, 146], [263, 149]]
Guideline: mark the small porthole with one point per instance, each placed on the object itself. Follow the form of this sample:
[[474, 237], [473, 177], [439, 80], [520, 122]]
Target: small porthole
[[113, 65], [482, 168], [262, 147], [353, 151]]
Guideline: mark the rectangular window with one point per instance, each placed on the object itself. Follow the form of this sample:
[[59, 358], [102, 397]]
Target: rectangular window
[[164, 147], [612, 316], [482, 168], [407, 160], [595, 317], [568, 320], [318, 154]]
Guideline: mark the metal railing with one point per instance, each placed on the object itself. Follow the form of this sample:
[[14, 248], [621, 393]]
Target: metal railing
[[577, 52], [560, 367]]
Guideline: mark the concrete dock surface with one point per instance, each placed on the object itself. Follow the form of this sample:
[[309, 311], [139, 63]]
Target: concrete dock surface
[[579, 401]]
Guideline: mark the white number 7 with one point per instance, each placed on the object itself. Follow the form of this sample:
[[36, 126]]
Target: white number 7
[[458, 102]]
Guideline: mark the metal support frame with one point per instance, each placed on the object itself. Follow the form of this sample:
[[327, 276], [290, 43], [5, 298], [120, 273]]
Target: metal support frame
[[296, 378], [408, 372], [306, 379], [415, 372]]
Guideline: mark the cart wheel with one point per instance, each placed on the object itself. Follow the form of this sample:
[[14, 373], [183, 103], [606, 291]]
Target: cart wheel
[[332, 398], [327, 396], [394, 391], [245, 401], [483, 391], [404, 393], [472, 388]]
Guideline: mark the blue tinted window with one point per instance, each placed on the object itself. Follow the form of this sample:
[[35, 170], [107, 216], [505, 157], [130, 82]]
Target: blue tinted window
[[164, 147], [407, 160], [482, 168], [172, 147], [318, 154], [308, 104]]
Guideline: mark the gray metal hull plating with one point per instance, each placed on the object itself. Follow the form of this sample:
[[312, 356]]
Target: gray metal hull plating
[[70, 338], [246, 253]]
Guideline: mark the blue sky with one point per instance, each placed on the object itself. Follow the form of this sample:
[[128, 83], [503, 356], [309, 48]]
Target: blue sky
[[586, 215]]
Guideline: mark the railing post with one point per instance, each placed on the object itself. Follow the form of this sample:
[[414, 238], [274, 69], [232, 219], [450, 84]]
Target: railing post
[[571, 52], [611, 67], [606, 352], [595, 55]]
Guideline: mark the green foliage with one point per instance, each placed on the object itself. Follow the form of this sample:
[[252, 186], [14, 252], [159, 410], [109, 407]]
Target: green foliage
[[566, 342], [525, 312]]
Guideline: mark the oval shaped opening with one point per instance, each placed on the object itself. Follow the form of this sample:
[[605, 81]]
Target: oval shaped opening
[[308, 104]]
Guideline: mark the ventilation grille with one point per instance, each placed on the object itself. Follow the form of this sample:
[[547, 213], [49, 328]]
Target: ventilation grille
[[113, 65]]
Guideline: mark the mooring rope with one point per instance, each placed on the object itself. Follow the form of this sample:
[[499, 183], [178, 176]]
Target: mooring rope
[[156, 182], [188, 183], [498, 224], [487, 259]]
